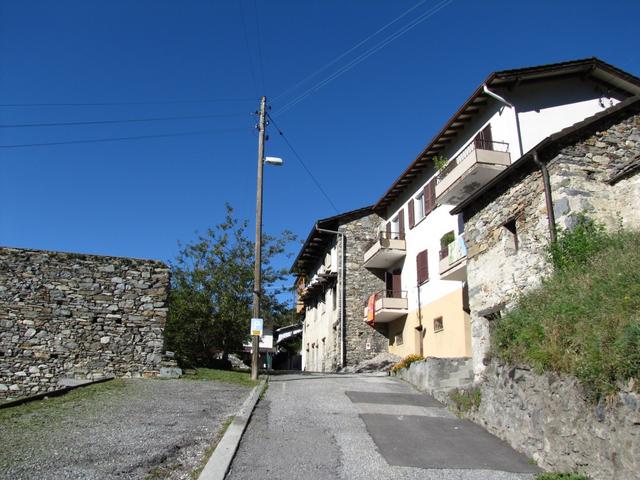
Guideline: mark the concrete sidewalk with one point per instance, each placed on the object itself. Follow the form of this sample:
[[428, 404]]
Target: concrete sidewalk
[[361, 427]]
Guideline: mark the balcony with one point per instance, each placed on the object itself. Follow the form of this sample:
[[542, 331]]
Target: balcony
[[387, 305], [453, 261], [385, 251], [474, 167]]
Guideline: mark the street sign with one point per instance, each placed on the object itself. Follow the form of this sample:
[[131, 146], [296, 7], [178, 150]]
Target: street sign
[[256, 326]]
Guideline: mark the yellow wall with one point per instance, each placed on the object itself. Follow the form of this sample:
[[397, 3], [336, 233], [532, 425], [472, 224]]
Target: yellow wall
[[454, 340]]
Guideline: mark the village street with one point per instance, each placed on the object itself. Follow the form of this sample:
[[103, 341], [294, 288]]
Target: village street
[[324, 426]]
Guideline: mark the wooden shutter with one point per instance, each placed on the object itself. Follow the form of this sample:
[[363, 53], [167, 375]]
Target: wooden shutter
[[388, 229], [412, 215], [484, 139], [429, 197], [401, 224], [396, 284], [422, 264]]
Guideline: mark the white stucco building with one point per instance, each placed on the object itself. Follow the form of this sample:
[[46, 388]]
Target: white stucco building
[[420, 253]]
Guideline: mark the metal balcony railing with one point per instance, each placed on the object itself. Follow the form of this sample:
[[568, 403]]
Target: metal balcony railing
[[472, 147]]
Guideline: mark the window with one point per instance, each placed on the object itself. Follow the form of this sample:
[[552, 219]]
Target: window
[[512, 234], [334, 296], [419, 207], [438, 326], [422, 267], [397, 227], [398, 339], [429, 196]]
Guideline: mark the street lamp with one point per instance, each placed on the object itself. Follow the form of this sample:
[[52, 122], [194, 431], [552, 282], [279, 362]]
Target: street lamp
[[257, 270]]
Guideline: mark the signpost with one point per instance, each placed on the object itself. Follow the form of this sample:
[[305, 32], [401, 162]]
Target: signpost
[[257, 326]]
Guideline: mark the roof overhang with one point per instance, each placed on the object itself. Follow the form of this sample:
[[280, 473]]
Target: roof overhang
[[610, 76]]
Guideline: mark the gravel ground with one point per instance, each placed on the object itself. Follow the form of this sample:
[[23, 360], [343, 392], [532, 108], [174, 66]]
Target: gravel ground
[[123, 429]]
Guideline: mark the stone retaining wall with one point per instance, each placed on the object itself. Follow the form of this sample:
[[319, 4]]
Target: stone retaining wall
[[548, 418], [435, 375], [65, 315]]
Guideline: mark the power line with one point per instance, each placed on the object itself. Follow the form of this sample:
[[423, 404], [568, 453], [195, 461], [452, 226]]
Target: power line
[[260, 63], [102, 104], [295, 153], [344, 54], [106, 122], [117, 139], [366, 54], [246, 42]]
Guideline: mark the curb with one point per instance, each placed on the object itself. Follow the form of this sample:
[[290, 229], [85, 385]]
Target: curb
[[218, 464]]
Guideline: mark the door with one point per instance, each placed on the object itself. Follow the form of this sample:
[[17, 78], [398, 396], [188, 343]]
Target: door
[[484, 139], [394, 284]]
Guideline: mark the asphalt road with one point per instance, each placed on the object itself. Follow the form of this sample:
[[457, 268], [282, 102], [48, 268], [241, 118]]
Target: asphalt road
[[362, 427]]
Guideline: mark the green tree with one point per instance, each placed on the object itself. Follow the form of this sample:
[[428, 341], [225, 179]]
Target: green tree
[[212, 292]]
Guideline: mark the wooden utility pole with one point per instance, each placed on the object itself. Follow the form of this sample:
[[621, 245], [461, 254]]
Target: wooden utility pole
[[257, 271]]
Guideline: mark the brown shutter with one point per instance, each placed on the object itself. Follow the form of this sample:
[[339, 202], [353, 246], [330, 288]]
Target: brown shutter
[[425, 199], [432, 194], [388, 229], [396, 284], [422, 267], [411, 212], [401, 224]]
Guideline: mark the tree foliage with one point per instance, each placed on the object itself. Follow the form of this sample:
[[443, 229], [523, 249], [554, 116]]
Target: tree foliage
[[212, 292]]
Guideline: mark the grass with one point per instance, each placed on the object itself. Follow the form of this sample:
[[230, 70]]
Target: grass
[[584, 320], [207, 454], [560, 476], [226, 376], [466, 400]]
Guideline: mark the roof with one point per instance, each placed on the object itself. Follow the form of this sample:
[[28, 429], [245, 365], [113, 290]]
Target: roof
[[316, 241], [549, 148], [613, 77]]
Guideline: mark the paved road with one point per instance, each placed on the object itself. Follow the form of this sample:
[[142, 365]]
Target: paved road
[[366, 427]]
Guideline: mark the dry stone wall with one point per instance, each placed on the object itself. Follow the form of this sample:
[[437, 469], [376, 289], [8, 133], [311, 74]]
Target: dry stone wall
[[65, 315], [594, 174], [548, 418], [363, 342]]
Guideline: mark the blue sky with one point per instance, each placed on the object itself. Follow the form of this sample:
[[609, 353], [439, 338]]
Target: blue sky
[[164, 59]]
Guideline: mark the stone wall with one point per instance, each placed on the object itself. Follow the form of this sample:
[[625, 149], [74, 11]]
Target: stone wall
[[363, 342], [437, 376], [65, 315], [548, 418], [507, 235]]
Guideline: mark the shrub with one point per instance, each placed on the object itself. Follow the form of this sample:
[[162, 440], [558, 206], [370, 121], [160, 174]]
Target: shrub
[[406, 361], [466, 400], [560, 476], [584, 319]]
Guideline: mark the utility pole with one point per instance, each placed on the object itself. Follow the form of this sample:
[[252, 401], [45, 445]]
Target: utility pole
[[257, 271]]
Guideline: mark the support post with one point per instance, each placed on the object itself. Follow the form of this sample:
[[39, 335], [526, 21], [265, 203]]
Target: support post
[[257, 271]]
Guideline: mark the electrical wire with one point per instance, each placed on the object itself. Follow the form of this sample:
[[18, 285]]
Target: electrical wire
[[104, 104], [363, 56], [246, 42], [347, 52], [117, 139], [108, 122], [260, 63], [299, 158]]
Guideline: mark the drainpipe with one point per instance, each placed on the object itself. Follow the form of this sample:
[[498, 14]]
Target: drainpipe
[[551, 217], [486, 90], [341, 290], [420, 327]]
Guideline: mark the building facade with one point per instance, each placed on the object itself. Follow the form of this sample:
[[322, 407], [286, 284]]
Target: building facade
[[592, 168], [330, 286], [421, 253]]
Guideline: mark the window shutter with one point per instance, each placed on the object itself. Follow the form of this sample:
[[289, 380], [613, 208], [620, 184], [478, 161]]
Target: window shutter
[[388, 229], [412, 214], [401, 224], [422, 265], [425, 199]]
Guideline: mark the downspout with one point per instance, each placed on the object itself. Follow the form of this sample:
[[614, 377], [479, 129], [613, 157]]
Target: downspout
[[420, 327], [486, 90], [551, 217], [341, 290]]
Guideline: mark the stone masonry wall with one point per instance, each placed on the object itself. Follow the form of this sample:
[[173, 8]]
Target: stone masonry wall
[[502, 264], [362, 341], [498, 268], [65, 315], [548, 418]]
